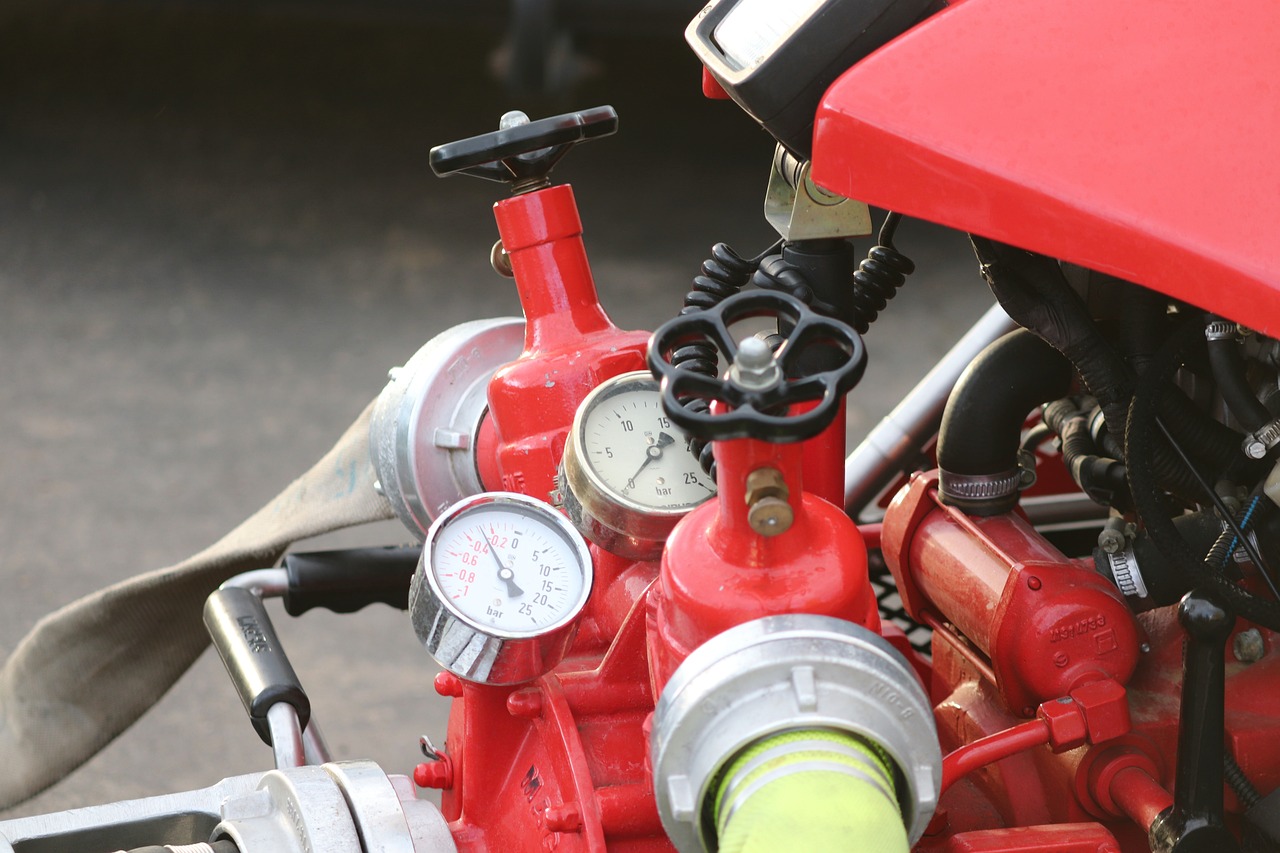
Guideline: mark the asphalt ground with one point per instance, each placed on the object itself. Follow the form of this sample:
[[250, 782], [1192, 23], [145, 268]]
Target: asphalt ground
[[218, 230]]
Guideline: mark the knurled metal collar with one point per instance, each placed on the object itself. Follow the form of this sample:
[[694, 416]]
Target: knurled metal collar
[[979, 487]]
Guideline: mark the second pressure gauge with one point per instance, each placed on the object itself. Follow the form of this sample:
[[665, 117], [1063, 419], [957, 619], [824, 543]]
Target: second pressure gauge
[[628, 475], [498, 590]]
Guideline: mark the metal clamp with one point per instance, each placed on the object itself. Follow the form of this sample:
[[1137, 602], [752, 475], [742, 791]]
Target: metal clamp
[[784, 673]]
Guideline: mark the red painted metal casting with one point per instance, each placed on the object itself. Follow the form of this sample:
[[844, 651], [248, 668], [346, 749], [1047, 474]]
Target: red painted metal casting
[[717, 572], [1088, 773], [1045, 624], [570, 344]]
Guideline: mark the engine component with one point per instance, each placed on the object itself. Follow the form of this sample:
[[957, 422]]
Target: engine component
[[799, 209], [1046, 624], [624, 507], [426, 422], [268, 687], [570, 344], [804, 674], [345, 581], [343, 807], [895, 442], [765, 546], [501, 582], [522, 153]]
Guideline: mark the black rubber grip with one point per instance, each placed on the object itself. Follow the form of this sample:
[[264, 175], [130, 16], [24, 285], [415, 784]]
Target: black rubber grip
[[247, 643], [345, 581]]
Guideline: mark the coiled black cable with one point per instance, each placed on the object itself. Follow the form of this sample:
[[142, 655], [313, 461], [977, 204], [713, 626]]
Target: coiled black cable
[[875, 282], [723, 274], [879, 276]]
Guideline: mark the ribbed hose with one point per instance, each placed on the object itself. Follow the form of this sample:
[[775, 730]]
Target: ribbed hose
[[809, 790], [981, 425], [1032, 289], [1099, 477]]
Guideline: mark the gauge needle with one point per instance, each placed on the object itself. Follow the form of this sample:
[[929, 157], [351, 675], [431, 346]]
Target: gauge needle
[[504, 574], [652, 452]]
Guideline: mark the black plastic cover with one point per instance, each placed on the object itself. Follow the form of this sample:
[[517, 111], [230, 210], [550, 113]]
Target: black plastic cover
[[250, 650], [782, 91]]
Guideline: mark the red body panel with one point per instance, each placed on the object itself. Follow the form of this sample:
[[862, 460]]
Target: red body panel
[[1135, 138]]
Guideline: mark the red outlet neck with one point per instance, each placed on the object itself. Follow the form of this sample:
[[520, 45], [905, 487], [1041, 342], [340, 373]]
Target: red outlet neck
[[542, 234]]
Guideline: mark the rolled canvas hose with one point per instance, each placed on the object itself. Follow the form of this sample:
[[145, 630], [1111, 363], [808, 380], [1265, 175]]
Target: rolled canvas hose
[[86, 672]]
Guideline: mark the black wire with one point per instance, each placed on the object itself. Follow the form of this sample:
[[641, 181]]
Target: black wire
[[1036, 436], [772, 250], [1254, 553], [888, 228]]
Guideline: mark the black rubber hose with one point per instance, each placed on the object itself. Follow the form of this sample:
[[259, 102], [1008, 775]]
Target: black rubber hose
[[1033, 291], [983, 419], [1141, 438], [1229, 373], [1099, 477]]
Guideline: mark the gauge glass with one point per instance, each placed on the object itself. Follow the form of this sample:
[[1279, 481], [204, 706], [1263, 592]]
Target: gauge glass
[[510, 565], [753, 28], [627, 441]]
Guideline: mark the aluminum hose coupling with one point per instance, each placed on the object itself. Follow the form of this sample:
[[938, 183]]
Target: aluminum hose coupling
[[340, 807], [798, 724]]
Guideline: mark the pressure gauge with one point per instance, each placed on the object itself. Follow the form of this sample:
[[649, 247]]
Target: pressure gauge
[[499, 587], [627, 475]]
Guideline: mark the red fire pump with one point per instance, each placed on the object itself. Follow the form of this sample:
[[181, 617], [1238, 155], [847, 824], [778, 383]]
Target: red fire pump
[[624, 691], [557, 651]]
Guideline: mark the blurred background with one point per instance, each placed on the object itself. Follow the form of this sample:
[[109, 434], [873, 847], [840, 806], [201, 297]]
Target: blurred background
[[218, 230]]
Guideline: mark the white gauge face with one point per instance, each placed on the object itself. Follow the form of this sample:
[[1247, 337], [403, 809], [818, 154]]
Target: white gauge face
[[511, 566], [637, 453]]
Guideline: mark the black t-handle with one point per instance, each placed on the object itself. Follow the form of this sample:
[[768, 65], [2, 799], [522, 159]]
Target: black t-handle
[[522, 153]]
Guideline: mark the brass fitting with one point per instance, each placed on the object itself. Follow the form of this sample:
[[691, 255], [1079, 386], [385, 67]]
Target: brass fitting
[[768, 512]]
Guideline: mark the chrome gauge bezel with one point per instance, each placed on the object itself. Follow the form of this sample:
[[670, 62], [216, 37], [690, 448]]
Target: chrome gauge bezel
[[489, 653], [614, 521]]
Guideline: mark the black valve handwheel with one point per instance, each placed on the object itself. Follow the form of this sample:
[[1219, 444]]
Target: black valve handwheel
[[760, 413], [525, 153]]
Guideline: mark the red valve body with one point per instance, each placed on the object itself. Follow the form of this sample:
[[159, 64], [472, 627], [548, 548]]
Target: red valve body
[[717, 572], [570, 344]]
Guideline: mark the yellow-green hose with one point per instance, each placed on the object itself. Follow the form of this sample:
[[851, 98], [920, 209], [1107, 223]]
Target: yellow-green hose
[[810, 791]]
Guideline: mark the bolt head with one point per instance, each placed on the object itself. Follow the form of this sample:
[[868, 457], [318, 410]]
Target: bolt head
[[513, 118], [754, 366], [1249, 646]]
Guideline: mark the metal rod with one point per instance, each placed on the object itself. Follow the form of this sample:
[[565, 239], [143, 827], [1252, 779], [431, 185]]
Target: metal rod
[[286, 736], [896, 441], [314, 747], [264, 583]]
